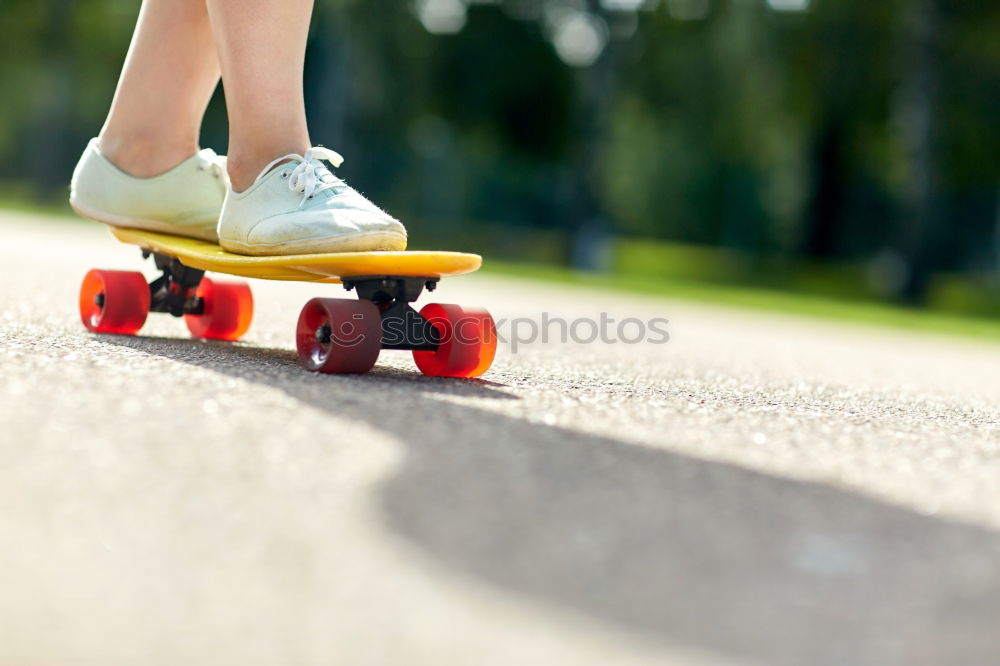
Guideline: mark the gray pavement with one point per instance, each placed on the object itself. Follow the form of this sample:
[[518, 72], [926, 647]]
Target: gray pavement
[[759, 490]]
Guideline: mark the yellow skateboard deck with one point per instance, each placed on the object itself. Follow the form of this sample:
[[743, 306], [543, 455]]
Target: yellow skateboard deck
[[330, 268]]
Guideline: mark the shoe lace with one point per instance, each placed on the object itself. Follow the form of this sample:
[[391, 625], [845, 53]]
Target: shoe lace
[[308, 179], [209, 160]]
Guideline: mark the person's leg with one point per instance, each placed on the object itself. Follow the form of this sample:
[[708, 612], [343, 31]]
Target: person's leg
[[169, 75], [144, 169], [282, 198], [261, 46]]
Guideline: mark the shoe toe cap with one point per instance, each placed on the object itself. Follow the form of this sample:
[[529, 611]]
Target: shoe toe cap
[[302, 225]]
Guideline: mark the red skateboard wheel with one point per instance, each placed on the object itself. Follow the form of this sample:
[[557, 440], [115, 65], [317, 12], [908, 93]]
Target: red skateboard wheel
[[338, 335], [228, 310], [114, 301], [468, 341]]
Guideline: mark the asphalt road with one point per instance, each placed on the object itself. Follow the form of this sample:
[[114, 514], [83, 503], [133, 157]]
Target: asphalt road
[[758, 490]]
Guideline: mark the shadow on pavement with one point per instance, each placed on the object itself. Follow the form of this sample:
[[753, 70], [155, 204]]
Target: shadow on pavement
[[757, 567]]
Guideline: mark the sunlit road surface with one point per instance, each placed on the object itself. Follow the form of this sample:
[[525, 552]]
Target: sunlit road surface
[[759, 490]]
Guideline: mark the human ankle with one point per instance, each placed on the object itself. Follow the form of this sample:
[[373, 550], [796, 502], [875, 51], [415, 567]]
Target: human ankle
[[244, 166], [143, 155]]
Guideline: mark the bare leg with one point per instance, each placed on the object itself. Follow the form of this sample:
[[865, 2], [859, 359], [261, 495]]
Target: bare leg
[[261, 46], [170, 73]]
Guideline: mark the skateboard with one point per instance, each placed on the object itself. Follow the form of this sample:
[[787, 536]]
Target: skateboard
[[333, 335]]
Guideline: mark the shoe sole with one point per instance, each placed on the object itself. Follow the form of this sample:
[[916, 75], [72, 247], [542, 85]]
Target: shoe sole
[[114, 220], [363, 241]]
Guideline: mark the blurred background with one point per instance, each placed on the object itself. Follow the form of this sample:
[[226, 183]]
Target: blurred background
[[838, 149]]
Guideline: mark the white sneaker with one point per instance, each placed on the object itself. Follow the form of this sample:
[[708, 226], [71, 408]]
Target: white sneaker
[[184, 201], [301, 208]]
